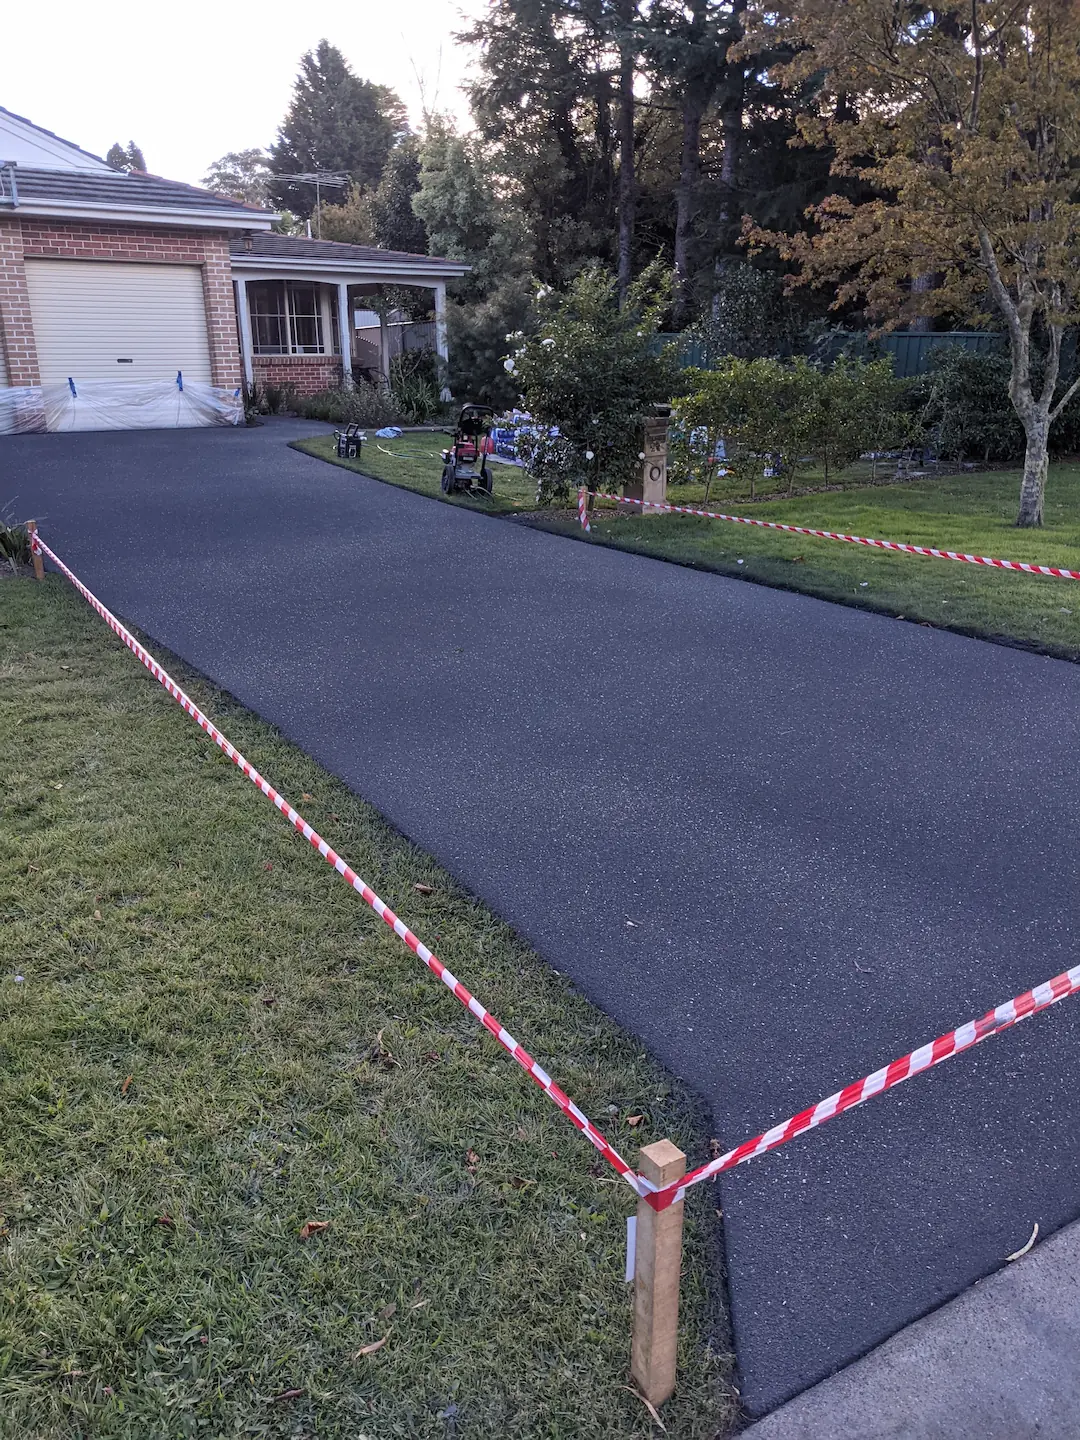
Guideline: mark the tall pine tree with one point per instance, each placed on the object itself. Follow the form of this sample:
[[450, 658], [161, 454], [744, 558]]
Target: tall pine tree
[[335, 122]]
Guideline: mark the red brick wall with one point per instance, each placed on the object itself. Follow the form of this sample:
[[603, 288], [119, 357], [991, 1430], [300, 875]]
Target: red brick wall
[[307, 374], [75, 240], [16, 325]]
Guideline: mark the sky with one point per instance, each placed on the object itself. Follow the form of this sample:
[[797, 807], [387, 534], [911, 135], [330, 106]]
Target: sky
[[188, 83]]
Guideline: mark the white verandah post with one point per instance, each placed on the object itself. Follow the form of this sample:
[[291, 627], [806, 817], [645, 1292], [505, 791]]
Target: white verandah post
[[345, 329], [442, 349], [243, 324]]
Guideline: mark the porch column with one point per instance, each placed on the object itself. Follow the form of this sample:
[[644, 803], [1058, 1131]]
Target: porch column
[[345, 326], [441, 347], [384, 347], [243, 324]]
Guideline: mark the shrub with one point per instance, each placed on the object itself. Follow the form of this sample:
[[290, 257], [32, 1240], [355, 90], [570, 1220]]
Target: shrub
[[965, 406], [414, 385], [361, 403], [14, 544], [589, 372]]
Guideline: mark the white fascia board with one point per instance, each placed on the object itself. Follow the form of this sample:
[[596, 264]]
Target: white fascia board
[[260, 267], [136, 215]]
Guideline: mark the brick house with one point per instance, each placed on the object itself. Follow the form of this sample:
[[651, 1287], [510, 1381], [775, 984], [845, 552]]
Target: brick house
[[127, 300]]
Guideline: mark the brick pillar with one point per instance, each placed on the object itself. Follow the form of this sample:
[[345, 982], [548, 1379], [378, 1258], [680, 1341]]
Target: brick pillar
[[220, 312], [16, 322]]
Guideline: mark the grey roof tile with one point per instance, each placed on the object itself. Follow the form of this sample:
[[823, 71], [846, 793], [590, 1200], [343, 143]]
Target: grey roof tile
[[124, 189]]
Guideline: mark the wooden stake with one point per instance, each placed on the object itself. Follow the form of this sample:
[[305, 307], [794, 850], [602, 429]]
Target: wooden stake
[[656, 1278], [39, 564]]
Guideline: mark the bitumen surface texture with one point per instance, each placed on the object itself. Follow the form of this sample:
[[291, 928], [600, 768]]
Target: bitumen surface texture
[[997, 1363], [837, 835]]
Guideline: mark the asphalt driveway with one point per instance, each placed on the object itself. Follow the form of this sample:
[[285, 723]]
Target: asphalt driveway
[[837, 834]]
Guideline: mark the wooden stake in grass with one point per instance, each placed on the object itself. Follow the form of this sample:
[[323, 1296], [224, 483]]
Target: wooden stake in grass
[[39, 564], [656, 1278]]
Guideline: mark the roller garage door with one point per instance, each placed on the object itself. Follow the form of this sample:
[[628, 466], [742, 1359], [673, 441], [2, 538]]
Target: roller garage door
[[114, 320]]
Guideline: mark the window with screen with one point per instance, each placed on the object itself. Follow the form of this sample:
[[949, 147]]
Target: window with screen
[[269, 324], [305, 321]]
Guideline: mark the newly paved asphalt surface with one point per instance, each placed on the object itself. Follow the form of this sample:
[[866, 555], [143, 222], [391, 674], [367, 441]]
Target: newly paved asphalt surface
[[838, 834]]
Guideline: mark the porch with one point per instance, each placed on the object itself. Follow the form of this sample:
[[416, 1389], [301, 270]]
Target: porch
[[297, 301]]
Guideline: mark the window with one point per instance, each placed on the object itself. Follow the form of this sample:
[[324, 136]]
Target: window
[[286, 318]]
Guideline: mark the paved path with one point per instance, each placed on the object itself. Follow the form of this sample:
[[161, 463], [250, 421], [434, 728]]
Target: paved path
[[998, 1363], [838, 835]]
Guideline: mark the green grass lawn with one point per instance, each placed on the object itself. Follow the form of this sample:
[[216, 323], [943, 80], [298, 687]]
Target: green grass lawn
[[973, 512], [415, 462], [207, 1040]]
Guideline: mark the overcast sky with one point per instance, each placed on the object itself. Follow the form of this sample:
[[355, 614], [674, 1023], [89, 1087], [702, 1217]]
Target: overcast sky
[[189, 82]]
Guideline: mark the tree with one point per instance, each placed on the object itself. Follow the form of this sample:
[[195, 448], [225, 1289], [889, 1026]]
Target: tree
[[350, 221], [242, 175], [466, 219], [590, 368], [336, 123], [125, 157], [394, 223], [965, 124]]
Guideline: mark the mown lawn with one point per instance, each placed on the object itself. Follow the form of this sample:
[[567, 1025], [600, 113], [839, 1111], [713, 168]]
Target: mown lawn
[[974, 513], [206, 1040], [970, 512], [415, 463]]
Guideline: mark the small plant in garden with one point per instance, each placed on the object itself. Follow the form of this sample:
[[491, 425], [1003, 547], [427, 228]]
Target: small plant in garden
[[14, 543], [590, 372], [414, 386], [361, 403]]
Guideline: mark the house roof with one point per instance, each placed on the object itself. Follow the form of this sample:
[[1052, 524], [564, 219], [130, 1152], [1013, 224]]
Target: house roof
[[43, 142], [288, 254], [119, 194]]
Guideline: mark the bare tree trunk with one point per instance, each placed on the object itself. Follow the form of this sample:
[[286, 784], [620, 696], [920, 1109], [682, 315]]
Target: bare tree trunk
[[1033, 485], [627, 185], [732, 100]]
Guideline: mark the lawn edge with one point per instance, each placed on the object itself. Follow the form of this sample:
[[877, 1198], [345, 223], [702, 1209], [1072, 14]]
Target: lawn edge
[[568, 530]]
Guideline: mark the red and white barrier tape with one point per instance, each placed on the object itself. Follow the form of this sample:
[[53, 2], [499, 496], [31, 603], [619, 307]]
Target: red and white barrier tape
[[899, 545], [925, 1058], [954, 1042], [583, 507], [576, 1117]]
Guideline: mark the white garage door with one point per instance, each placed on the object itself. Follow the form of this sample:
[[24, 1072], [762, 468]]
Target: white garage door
[[111, 320]]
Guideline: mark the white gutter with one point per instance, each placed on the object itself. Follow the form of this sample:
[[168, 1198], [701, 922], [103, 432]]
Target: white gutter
[[140, 215]]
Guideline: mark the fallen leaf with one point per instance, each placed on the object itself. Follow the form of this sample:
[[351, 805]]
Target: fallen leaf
[[648, 1406], [370, 1349], [424, 889], [287, 1395], [634, 1120], [268, 865], [97, 914], [269, 999], [388, 1311], [420, 1305], [126, 1086], [167, 1221], [305, 796], [517, 1182], [432, 1057], [1019, 1254], [59, 785], [714, 1149], [313, 1227], [472, 1160]]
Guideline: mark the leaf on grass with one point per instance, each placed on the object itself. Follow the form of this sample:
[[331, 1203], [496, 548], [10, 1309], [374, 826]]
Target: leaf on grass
[[648, 1406], [126, 1086], [472, 1160], [268, 864], [420, 1305], [714, 1149], [370, 1349], [167, 1221], [424, 889], [287, 1395], [517, 1182], [1019, 1254], [305, 796], [388, 1311], [634, 1120], [97, 914], [313, 1227], [432, 1057]]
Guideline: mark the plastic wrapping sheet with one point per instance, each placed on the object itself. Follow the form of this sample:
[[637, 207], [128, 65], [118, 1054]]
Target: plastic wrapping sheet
[[118, 405]]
